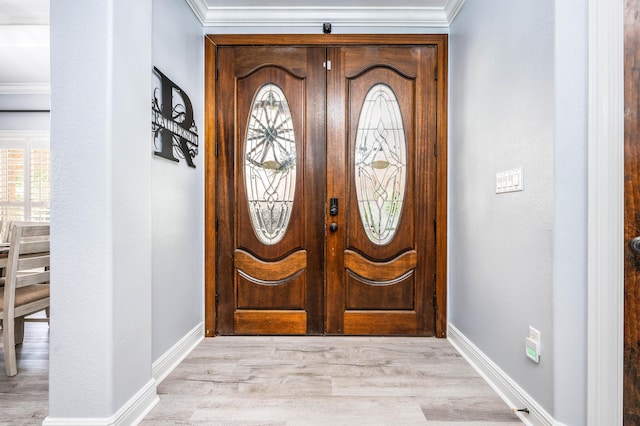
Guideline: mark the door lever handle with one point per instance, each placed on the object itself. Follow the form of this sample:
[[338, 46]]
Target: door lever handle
[[635, 245]]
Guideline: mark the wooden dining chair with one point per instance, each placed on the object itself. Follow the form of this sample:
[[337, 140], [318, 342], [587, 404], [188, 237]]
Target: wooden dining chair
[[26, 287], [5, 227]]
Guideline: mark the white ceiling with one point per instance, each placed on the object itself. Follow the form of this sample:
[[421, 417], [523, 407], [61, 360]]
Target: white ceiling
[[24, 46], [24, 26]]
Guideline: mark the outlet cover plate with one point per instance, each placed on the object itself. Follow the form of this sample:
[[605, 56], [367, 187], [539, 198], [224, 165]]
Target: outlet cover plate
[[534, 334]]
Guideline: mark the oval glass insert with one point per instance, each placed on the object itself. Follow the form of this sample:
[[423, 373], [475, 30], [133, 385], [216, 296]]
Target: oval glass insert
[[380, 164], [270, 164]]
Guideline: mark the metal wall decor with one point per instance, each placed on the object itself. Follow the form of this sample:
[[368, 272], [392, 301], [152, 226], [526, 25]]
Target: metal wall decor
[[175, 134]]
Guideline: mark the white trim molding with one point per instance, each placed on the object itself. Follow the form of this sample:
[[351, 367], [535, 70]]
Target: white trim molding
[[506, 388], [25, 135], [606, 213], [314, 16], [37, 18], [25, 89], [135, 410], [452, 8], [131, 413], [164, 365]]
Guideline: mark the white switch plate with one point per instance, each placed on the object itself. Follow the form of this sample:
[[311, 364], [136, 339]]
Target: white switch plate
[[534, 334], [532, 345], [510, 181]]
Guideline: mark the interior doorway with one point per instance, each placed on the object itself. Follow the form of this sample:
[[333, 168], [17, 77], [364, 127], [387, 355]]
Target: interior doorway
[[326, 185]]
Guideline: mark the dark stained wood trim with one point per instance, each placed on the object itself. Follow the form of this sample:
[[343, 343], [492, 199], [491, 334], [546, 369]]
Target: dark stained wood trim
[[210, 189], [631, 382], [441, 192], [326, 39], [440, 40], [280, 270], [380, 271], [280, 322]]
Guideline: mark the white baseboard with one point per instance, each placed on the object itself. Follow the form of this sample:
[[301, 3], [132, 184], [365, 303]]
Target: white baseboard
[[135, 410], [130, 413], [174, 356], [510, 392]]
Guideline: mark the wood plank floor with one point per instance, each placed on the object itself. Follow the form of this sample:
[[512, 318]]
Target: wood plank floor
[[327, 381], [24, 399], [290, 381]]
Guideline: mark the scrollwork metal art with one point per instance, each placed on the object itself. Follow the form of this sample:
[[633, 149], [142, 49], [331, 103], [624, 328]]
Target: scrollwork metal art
[[175, 134]]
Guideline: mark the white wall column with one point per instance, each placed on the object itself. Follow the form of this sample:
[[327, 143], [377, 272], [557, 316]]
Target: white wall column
[[606, 212], [570, 213], [100, 347]]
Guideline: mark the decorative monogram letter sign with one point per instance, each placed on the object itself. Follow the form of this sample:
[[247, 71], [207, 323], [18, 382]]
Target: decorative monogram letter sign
[[174, 130]]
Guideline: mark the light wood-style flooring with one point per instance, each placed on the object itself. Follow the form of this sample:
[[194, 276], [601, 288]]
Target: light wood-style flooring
[[326, 381], [24, 399], [290, 381]]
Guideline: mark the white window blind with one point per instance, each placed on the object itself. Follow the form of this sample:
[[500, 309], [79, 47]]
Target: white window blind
[[24, 177]]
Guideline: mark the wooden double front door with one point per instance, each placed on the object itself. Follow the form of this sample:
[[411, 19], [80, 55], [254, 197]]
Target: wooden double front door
[[326, 196]]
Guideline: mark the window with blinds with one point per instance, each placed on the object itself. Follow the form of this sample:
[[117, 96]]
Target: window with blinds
[[24, 178]]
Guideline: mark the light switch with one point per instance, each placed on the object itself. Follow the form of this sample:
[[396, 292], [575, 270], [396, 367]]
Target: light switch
[[509, 181]]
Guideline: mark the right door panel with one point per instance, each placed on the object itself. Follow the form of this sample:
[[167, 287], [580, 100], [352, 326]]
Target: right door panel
[[381, 168]]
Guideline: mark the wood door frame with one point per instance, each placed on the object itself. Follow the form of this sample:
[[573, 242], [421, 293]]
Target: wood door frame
[[210, 46]]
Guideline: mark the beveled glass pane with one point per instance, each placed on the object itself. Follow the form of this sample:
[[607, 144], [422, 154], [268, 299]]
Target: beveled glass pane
[[270, 164], [380, 164]]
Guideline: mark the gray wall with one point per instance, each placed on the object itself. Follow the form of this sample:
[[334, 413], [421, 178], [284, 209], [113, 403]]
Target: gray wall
[[127, 226], [177, 190], [502, 117], [100, 339], [518, 97]]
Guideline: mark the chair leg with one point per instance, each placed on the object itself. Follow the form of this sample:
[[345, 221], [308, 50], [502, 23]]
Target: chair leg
[[9, 348], [19, 330]]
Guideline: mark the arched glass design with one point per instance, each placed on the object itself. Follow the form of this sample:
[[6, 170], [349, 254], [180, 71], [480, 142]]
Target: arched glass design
[[270, 164], [380, 164]]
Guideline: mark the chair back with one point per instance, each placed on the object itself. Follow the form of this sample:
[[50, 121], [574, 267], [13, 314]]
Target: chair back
[[29, 257], [5, 234]]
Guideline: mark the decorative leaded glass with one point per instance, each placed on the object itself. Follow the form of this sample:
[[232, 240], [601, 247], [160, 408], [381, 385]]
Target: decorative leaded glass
[[270, 164], [380, 164]]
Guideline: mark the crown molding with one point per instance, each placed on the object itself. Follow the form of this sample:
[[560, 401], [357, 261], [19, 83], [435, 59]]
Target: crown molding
[[305, 16], [25, 19], [452, 8], [25, 89]]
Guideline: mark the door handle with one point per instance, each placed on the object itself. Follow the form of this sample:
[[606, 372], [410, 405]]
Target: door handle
[[333, 206], [635, 245]]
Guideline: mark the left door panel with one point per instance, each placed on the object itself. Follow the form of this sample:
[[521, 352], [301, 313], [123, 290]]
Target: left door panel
[[270, 190]]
